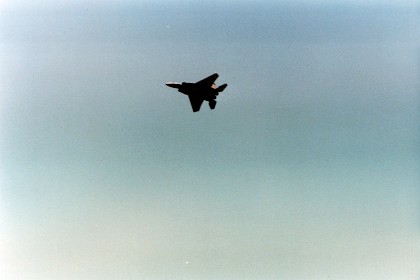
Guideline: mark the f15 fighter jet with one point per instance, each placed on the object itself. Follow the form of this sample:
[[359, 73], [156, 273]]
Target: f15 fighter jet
[[202, 90]]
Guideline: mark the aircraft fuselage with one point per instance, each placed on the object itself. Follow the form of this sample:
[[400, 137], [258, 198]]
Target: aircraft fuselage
[[205, 93]]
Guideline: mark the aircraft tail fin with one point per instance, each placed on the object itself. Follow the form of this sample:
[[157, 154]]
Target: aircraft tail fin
[[212, 104], [221, 88]]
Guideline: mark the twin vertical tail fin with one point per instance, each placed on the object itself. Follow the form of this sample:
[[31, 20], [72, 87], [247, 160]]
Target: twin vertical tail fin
[[221, 88], [212, 104]]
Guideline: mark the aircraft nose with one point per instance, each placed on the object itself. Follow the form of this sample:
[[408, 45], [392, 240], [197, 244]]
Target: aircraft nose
[[173, 85]]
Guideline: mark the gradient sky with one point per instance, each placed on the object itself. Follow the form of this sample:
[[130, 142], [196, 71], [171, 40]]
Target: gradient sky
[[307, 169]]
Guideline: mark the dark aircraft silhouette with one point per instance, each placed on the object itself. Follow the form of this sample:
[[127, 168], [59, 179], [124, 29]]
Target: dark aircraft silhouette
[[202, 90]]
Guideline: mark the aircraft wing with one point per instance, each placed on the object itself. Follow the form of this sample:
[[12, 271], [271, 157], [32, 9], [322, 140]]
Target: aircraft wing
[[195, 103], [209, 81]]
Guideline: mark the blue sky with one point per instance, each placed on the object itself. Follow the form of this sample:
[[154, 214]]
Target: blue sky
[[307, 168]]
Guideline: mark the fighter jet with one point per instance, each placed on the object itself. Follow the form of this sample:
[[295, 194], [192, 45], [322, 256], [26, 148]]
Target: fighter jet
[[202, 90]]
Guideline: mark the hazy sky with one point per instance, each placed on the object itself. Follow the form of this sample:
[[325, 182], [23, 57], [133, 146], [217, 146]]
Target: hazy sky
[[307, 169]]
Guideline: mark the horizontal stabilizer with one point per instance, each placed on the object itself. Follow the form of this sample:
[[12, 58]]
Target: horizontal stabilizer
[[221, 88]]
